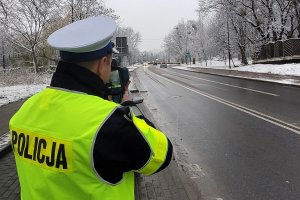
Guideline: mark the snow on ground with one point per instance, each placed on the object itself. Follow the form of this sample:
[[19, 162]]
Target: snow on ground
[[292, 69], [286, 69], [133, 67], [14, 93]]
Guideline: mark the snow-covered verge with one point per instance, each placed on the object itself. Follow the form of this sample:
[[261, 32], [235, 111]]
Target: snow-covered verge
[[21, 83], [292, 69], [26, 76], [14, 93], [131, 68]]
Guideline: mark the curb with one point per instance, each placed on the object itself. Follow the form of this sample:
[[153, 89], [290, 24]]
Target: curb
[[243, 77], [4, 144]]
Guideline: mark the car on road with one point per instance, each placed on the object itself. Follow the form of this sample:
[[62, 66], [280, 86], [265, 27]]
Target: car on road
[[163, 65]]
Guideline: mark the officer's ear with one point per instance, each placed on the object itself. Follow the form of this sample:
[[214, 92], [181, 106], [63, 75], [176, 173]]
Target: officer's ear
[[103, 68], [108, 60], [100, 65]]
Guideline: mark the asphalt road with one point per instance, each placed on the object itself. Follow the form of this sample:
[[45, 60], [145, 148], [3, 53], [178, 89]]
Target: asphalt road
[[237, 139]]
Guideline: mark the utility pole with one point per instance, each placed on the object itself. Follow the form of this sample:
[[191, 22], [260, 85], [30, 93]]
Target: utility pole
[[228, 41], [3, 56], [72, 10]]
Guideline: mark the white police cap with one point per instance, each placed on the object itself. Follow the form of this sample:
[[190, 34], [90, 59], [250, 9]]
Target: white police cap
[[84, 40]]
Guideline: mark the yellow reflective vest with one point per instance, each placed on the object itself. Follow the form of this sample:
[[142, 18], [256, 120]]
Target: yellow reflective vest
[[53, 135]]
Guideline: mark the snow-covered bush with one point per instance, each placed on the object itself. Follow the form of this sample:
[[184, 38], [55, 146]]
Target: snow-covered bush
[[24, 76]]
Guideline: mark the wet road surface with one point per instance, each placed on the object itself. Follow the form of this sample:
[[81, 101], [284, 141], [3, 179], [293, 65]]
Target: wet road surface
[[237, 139]]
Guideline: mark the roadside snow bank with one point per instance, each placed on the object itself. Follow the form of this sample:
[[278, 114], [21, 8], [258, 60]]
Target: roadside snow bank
[[14, 93], [292, 69]]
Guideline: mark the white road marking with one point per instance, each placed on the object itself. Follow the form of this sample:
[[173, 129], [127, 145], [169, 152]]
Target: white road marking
[[258, 91], [249, 111]]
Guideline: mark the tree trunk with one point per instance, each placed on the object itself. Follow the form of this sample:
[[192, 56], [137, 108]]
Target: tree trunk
[[297, 15], [72, 11], [200, 60], [299, 29], [35, 65], [243, 55], [225, 59], [205, 57], [3, 55]]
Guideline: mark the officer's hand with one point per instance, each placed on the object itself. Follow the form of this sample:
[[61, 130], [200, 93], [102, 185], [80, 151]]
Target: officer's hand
[[126, 96], [127, 85]]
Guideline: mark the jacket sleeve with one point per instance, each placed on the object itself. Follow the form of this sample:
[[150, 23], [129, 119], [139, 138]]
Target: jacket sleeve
[[170, 147], [157, 142], [120, 147]]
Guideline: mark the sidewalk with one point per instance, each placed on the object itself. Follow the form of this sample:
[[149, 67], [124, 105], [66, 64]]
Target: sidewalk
[[6, 113]]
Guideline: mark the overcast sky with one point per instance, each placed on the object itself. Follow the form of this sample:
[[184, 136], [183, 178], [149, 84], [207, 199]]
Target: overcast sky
[[153, 19]]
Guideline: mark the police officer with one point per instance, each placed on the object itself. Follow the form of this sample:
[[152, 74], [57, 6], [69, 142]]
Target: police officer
[[69, 140]]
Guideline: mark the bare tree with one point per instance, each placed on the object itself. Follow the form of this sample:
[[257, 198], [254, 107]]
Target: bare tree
[[229, 27], [28, 23], [200, 40], [45, 52], [4, 50], [176, 42], [273, 19], [239, 35], [218, 36], [256, 22], [80, 9], [133, 40], [24, 21], [172, 46]]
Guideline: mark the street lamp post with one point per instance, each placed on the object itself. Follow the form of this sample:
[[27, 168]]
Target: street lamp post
[[179, 44], [187, 52], [3, 55], [228, 42]]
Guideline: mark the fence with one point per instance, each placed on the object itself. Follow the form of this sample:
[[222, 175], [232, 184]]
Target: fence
[[279, 51]]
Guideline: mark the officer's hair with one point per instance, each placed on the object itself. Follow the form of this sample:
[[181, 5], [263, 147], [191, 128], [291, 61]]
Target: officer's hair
[[88, 64], [91, 64]]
